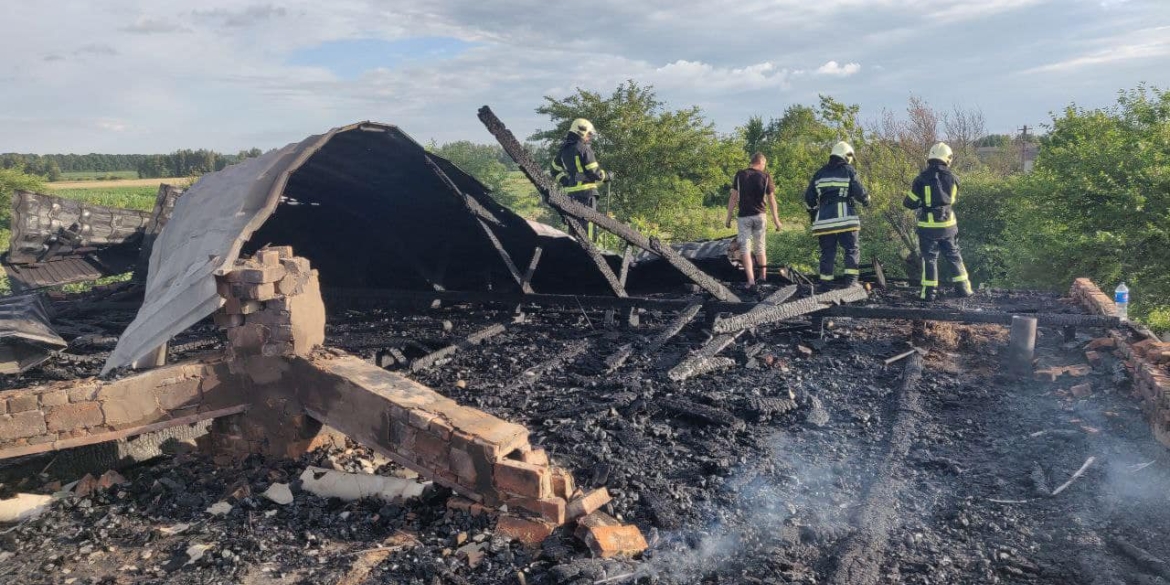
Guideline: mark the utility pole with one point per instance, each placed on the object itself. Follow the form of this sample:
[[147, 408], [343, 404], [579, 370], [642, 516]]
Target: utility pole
[[1024, 148]]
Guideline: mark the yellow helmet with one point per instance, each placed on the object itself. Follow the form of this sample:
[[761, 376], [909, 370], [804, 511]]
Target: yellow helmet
[[844, 151], [941, 152], [581, 127]]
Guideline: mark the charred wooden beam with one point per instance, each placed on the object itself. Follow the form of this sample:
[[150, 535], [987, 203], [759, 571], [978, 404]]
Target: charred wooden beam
[[674, 327], [554, 197], [789, 310], [698, 366], [701, 412], [527, 285], [973, 317], [533, 374], [578, 231], [432, 358], [341, 297], [692, 364], [619, 357]]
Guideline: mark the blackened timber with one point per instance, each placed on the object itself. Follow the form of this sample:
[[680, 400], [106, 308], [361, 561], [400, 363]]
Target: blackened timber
[[527, 284], [619, 357], [691, 364], [789, 310], [700, 411], [999, 318], [533, 374], [432, 358], [582, 236], [553, 196], [686, 316], [473, 207], [347, 297], [698, 366]]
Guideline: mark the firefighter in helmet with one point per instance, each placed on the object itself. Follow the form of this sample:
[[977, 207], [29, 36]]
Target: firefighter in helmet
[[931, 196], [832, 198]]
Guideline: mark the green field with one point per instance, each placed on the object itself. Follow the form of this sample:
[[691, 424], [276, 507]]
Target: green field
[[98, 175], [125, 197]]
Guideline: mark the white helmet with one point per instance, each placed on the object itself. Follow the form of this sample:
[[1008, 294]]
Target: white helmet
[[941, 152], [581, 127], [844, 151]]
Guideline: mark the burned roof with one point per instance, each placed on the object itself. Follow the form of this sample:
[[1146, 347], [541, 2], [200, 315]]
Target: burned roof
[[365, 205]]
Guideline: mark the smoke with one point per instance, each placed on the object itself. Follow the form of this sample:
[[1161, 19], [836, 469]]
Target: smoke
[[771, 503]]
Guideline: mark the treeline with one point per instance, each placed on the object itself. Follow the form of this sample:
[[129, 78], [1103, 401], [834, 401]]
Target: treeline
[[181, 163], [189, 163]]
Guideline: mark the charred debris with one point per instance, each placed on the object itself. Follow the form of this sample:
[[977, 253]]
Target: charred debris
[[344, 362]]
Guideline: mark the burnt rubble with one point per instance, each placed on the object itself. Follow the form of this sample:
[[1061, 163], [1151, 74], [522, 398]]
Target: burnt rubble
[[517, 431]]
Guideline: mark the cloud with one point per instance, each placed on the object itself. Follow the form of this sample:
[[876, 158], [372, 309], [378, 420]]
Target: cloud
[[249, 16], [836, 70], [1136, 45], [96, 49], [147, 26], [53, 57], [708, 78], [111, 125]]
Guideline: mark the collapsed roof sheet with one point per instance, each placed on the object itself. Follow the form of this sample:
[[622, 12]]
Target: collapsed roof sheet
[[363, 205], [58, 241], [26, 338]]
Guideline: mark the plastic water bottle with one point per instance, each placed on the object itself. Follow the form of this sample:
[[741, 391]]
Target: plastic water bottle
[[1121, 300]]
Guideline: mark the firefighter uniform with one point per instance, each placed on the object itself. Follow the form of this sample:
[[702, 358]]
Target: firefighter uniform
[[931, 196], [577, 170], [832, 198]]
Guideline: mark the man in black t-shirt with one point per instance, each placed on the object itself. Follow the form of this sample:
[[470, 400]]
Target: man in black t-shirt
[[752, 192]]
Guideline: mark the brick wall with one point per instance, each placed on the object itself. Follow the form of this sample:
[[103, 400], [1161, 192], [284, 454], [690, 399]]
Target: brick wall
[[83, 412], [1147, 361]]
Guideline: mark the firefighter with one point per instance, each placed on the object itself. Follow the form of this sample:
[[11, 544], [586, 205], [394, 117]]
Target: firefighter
[[931, 196], [832, 198], [576, 168]]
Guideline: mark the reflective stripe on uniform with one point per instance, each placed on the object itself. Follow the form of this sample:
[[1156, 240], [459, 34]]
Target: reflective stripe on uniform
[[912, 196], [592, 165], [852, 271], [926, 190], [580, 187], [826, 183], [954, 193], [580, 169], [826, 277]]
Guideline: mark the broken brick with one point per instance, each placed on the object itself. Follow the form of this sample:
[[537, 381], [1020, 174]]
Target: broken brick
[[551, 509], [523, 479], [535, 457], [594, 520], [588, 503], [1093, 357], [615, 541], [1082, 390], [1101, 343], [525, 530], [562, 483]]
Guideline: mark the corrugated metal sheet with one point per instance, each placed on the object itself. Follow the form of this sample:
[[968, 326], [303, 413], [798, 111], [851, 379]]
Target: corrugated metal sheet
[[45, 226], [26, 338]]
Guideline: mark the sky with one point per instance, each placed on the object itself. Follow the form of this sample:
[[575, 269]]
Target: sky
[[139, 76]]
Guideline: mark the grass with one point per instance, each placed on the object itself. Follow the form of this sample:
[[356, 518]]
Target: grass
[[132, 182], [141, 198], [98, 175]]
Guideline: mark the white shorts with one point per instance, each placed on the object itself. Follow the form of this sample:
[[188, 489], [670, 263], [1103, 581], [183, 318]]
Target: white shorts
[[751, 233]]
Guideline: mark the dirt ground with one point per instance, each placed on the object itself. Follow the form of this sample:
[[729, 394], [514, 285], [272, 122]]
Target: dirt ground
[[810, 461]]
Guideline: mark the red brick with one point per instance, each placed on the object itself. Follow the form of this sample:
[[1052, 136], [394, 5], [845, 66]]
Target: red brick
[[594, 520], [54, 398], [523, 479], [615, 541], [248, 337], [255, 292], [268, 274], [535, 457], [22, 403], [1101, 342], [528, 531], [21, 425], [281, 251], [420, 419], [464, 466], [402, 435], [1093, 357], [562, 483], [269, 257], [439, 427], [182, 394], [432, 448], [69, 417], [588, 503], [551, 509]]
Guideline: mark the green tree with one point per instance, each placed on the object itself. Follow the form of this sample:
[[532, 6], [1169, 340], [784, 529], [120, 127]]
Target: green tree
[[1097, 203], [668, 163], [481, 161]]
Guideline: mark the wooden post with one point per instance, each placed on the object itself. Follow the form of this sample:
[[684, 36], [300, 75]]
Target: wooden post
[[1022, 346]]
